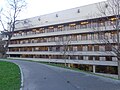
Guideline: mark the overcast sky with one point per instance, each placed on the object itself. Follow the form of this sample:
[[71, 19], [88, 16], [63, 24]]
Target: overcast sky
[[41, 7]]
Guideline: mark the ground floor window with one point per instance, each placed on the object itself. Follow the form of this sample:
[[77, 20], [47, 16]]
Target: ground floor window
[[107, 69], [12, 55], [84, 67]]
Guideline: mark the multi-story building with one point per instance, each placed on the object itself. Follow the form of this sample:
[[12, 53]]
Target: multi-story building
[[35, 39]]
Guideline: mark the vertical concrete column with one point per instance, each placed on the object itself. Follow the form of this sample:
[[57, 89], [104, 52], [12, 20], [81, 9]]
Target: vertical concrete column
[[94, 69], [68, 64], [94, 65], [19, 49], [68, 61], [48, 49]]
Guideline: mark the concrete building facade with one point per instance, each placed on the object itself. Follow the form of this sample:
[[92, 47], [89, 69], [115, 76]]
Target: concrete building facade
[[36, 39]]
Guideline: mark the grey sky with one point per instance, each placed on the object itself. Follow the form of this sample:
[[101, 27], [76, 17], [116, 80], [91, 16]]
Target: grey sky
[[41, 7]]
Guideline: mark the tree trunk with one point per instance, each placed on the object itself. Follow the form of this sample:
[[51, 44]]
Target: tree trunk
[[119, 69], [7, 44]]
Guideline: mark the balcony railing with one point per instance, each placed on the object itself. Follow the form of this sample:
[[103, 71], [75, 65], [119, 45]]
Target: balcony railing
[[59, 32]]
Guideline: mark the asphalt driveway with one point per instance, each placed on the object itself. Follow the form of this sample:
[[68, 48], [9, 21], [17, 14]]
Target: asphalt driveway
[[38, 76]]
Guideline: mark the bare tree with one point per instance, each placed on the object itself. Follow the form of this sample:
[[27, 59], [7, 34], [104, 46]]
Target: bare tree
[[63, 45], [109, 13], [1, 47], [9, 18]]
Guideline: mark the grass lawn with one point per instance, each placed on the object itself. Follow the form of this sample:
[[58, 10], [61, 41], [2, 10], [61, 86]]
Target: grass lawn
[[9, 76]]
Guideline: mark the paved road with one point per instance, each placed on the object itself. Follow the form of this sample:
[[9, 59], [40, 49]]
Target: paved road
[[43, 77]]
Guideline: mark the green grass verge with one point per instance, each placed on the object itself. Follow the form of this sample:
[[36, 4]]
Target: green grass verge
[[9, 76]]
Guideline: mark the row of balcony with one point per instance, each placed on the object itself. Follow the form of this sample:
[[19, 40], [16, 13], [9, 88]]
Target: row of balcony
[[69, 58], [82, 62], [84, 53], [109, 36], [74, 28], [72, 48]]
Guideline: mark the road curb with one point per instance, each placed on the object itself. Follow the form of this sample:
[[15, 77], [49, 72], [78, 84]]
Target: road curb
[[22, 80]]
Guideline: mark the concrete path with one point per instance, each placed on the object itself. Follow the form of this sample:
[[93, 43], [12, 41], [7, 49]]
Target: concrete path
[[43, 77]]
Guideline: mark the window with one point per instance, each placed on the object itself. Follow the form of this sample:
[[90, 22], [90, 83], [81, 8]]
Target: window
[[57, 48], [73, 57], [50, 48], [84, 48], [74, 37], [107, 69], [60, 38], [80, 57], [90, 58], [114, 59], [70, 48], [83, 24], [96, 47], [108, 58], [72, 26], [51, 29], [101, 35], [93, 25], [78, 37], [36, 48], [79, 48], [84, 37], [89, 36], [41, 30], [97, 58], [77, 26], [56, 39], [102, 58], [53, 48], [107, 36], [52, 39], [34, 31], [101, 48], [114, 36], [60, 28], [74, 48], [95, 36], [85, 58], [101, 23], [90, 47], [108, 48]]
